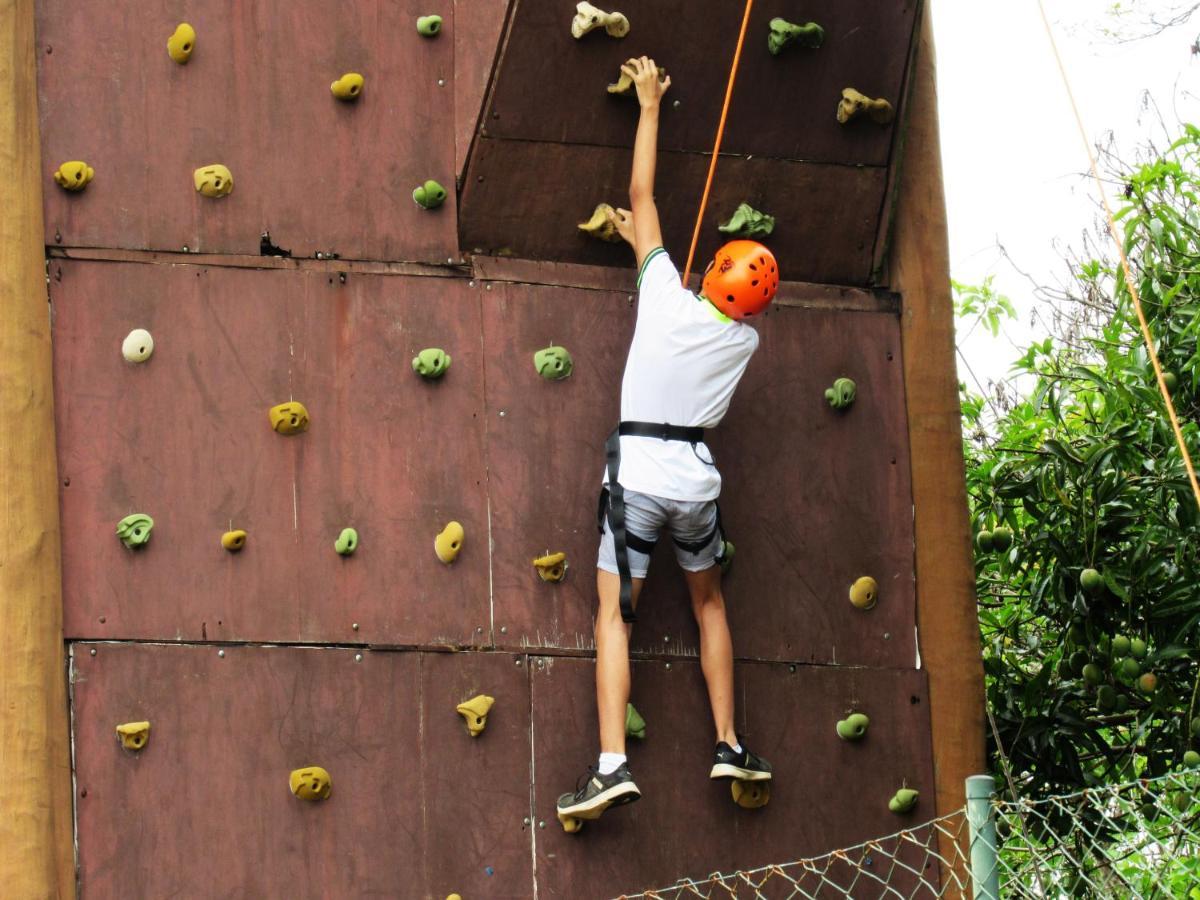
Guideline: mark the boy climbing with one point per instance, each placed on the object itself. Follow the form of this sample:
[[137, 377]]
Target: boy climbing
[[687, 356]]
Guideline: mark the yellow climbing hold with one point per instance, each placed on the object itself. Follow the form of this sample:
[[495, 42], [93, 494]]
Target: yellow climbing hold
[[751, 794], [864, 592], [74, 175], [134, 735], [233, 541], [213, 181], [311, 783], [181, 43], [289, 418], [601, 226], [447, 544], [588, 18], [853, 104], [475, 712], [552, 567], [348, 87]]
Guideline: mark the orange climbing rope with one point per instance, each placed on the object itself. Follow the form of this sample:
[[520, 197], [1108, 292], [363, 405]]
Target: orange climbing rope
[[712, 166], [1129, 282]]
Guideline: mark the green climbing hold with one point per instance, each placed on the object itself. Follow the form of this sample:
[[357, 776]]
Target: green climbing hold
[[134, 530], [853, 727], [429, 26], [726, 557], [554, 363], [1121, 646], [431, 362], [430, 195], [635, 725], [347, 542], [842, 394], [903, 800], [748, 222], [783, 34], [1002, 538]]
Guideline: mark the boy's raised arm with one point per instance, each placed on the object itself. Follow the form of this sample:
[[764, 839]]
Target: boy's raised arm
[[647, 234]]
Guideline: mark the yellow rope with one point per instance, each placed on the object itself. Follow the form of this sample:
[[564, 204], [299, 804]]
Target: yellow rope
[[1129, 282]]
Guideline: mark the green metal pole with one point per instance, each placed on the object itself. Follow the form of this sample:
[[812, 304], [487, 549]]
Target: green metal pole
[[985, 870]]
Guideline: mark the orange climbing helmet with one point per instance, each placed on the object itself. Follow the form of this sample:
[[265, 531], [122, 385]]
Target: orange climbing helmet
[[741, 279]]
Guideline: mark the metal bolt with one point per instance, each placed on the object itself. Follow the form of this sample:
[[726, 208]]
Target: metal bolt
[[668, 667], [221, 653], [479, 630], [489, 287], [518, 659], [102, 620], [358, 657], [93, 651], [57, 238], [666, 639], [470, 284], [526, 820], [886, 635], [502, 414], [480, 179], [355, 626], [495, 115], [676, 104], [441, 82], [542, 824], [504, 629], [185, 248], [319, 255], [889, 354], [791, 668]]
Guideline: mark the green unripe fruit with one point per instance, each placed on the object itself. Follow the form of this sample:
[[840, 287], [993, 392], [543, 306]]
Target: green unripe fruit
[[1171, 381], [1092, 674], [1137, 648], [1182, 802], [1079, 659], [1148, 683], [1149, 810], [1191, 759], [1091, 580], [1002, 538], [1120, 646], [1077, 633], [1106, 698], [1130, 668], [984, 541], [1122, 703], [1195, 727]]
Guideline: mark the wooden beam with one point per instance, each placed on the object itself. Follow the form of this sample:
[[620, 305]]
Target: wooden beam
[[36, 849], [948, 626]]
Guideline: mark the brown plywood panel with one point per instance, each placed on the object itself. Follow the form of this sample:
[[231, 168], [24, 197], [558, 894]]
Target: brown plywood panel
[[812, 498], [478, 25], [205, 810], [185, 438], [318, 174], [827, 793], [783, 107], [525, 199]]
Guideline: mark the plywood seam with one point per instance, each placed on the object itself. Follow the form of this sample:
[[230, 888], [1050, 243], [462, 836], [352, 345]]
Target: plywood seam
[[488, 98]]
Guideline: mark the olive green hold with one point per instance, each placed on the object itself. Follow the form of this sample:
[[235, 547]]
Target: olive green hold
[[748, 222], [783, 34], [1171, 381], [1092, 674], [635, 725], [903, 801], [1130, 668], [853, 727], [1002, 538], [1137, 648], [430, 195], [984, 541], [1106, 698], [429, 26], [431, 362], [1121, 646], [1091, 581], [554, 363], [725, 560], [1191, 759], [842, 394], [134, 530], [347, 542]]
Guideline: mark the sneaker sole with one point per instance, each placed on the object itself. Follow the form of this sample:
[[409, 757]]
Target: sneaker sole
[[617, 795], [725, 770]]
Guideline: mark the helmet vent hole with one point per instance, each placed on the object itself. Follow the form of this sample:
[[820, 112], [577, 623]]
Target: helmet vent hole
[[729, 297], [753, 268], [754, 283]]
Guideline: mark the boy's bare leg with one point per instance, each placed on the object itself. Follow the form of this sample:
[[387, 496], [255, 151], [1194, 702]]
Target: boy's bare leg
[[612, 660], [716, 647]]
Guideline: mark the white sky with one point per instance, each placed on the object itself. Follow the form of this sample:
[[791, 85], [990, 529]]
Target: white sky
[[1012, 154]]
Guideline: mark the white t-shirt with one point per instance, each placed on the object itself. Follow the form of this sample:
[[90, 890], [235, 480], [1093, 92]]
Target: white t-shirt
[[684, 363]]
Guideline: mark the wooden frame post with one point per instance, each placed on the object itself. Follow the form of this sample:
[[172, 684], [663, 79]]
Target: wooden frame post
[[37, 856]]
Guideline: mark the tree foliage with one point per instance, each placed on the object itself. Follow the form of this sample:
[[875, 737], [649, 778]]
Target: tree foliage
[[1095, 678]]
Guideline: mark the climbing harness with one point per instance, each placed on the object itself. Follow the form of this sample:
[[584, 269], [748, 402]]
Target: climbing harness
[[612, 503]]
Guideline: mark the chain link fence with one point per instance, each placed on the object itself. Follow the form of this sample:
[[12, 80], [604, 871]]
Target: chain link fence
[[1136, 840]]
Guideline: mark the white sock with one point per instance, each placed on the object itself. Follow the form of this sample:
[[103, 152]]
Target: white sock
[[737, 748], [610, 762]]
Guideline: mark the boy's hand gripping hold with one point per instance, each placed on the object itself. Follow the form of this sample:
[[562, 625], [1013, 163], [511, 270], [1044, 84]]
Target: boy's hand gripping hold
[[649, 88]]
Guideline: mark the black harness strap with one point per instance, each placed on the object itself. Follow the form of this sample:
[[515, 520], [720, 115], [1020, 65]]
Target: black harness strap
[[622, 540]]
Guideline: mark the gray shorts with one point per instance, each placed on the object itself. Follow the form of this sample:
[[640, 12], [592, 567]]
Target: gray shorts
[[686, 520]]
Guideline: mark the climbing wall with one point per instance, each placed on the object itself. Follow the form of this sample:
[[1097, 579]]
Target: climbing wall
[[319, 280]]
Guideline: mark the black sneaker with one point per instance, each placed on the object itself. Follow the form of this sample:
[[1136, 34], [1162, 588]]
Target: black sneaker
[[599, 792], [744, 766]]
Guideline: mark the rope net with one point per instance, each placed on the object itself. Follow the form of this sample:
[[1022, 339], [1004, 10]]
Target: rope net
[[903, 866]]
